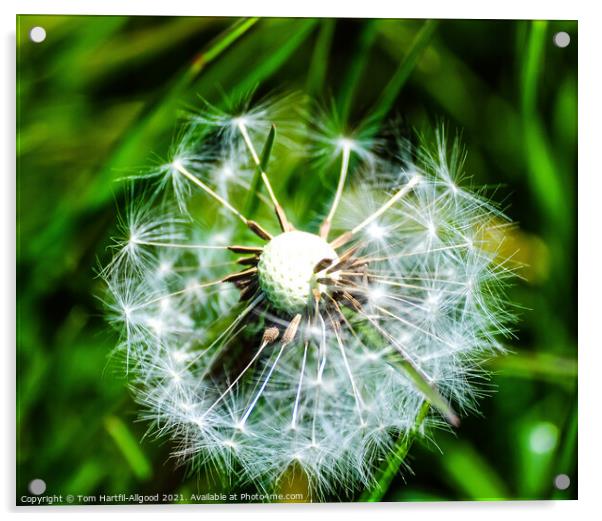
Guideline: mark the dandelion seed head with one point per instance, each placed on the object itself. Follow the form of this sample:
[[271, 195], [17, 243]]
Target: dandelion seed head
[[293, 347], [286, 269]]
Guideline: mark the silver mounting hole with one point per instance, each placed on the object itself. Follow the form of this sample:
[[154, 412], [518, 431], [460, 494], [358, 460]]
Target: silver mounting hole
[[562, 39], [37, 487], [37, 34], [562, 482]]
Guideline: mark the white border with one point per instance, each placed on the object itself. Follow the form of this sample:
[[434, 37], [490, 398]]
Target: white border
[[590, 232], [548, 9]]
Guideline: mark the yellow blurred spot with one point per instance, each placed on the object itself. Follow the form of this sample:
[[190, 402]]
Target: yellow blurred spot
[[527, 253], [294, 485]]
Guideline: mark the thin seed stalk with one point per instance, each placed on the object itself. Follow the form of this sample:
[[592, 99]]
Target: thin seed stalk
[[325, 228]]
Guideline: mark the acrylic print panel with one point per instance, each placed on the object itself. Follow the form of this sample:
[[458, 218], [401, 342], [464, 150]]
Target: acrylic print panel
[[293, 260]]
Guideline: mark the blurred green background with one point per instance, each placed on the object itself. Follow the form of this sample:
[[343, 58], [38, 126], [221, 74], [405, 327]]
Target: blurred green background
[[101, 95]]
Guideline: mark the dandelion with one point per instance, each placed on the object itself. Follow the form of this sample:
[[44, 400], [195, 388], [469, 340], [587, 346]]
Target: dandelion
[[305, 348]]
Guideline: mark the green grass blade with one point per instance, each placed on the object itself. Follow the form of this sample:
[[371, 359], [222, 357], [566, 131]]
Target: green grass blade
[[264, 69], [540, 365], [129, 447], [470, 473], [398, 80], [533, 65], [358, 64], [253, 197], [319, 60], [568, 448], [267, 149], [223, 42], [430, 392], [543, 174]]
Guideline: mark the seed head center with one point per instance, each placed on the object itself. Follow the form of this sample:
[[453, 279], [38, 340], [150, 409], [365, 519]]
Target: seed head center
[[286, 269]]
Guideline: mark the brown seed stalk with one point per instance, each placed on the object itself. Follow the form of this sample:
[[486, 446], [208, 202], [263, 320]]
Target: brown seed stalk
[[291, 330]]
